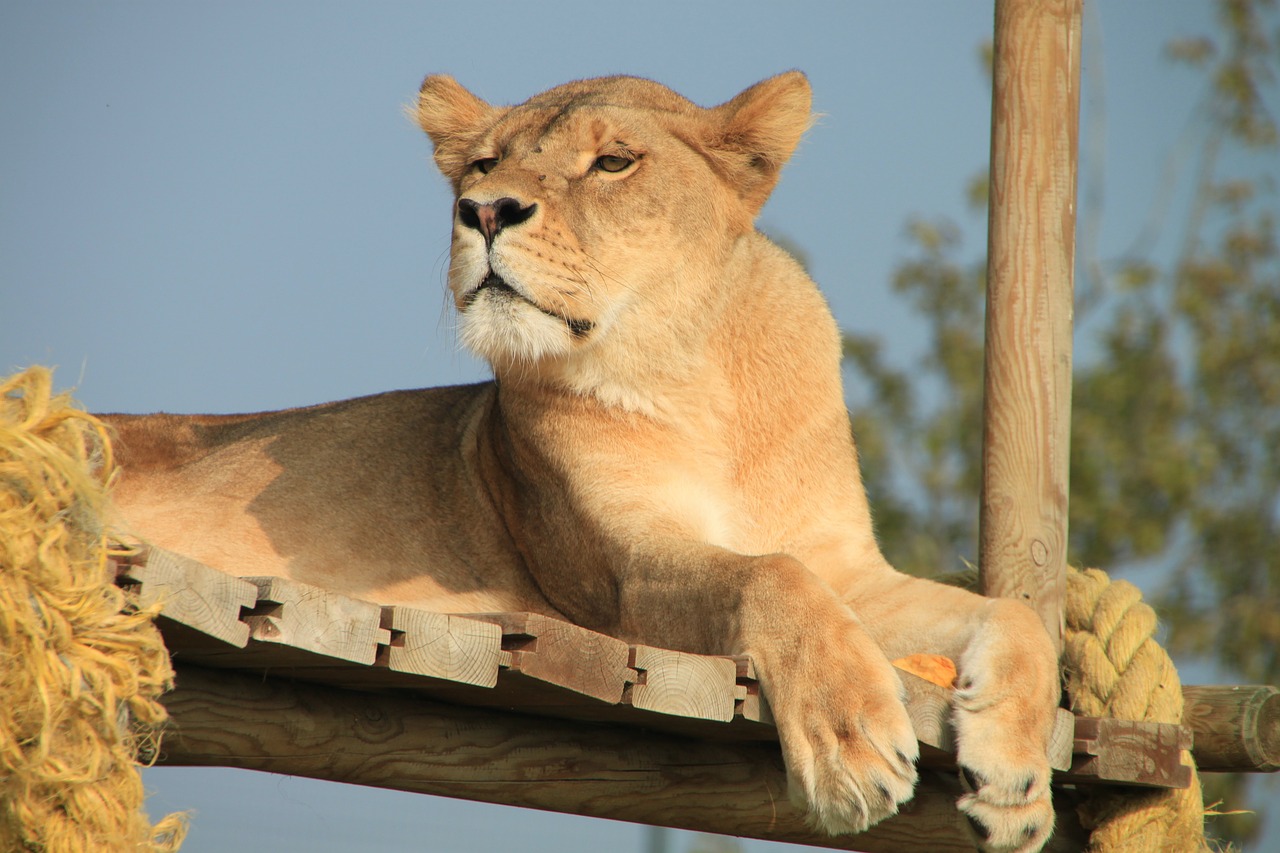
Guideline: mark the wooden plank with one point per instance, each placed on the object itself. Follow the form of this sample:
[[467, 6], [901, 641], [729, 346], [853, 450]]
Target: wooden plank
[[1031, 245], [425, 652], [531, 682], [438, 645], [686, 694], [206, 602], [295, 624], [1132, 753], [223, 718], [1236, 728], [682, 685], [553, 664]]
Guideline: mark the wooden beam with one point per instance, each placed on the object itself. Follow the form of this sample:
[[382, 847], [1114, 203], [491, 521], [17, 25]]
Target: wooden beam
[[1236, 728], [229, 719], [1031, 244]]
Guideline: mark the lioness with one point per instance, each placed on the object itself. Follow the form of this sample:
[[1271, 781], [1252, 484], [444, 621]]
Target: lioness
[[664, 453]]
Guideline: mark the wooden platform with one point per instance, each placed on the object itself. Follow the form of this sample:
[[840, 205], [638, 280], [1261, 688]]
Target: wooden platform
[[280, 656], [512, 661]]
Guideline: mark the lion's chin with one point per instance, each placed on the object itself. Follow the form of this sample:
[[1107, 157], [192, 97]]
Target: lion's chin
[[503, 328]]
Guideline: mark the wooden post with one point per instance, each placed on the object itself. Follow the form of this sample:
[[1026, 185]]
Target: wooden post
[[1031, 243]]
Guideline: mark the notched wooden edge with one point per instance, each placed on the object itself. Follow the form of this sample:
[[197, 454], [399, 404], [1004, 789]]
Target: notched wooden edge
[[267, 623], [1130, 753], [189, 593]]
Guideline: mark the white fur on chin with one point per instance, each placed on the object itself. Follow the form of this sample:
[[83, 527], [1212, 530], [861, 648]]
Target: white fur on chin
[[504, 329]]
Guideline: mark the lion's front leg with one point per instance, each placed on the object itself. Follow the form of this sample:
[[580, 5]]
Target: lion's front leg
[[847, 740], [1005, 701], [846, 736]]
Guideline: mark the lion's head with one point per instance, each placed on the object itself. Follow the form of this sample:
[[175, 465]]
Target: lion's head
[[601, 211]]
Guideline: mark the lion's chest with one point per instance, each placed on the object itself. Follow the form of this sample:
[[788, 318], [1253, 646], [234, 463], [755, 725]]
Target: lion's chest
[[706, 508], [692, 501]]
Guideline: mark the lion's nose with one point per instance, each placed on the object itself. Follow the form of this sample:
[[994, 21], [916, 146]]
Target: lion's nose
[[492, 217]]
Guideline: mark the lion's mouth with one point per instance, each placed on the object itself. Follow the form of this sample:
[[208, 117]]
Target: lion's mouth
[[498, 286], [495, 282]]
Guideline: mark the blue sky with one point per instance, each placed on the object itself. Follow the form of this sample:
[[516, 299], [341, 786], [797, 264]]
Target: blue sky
[[221, 207]]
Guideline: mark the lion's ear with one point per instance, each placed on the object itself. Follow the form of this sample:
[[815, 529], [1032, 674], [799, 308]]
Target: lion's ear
[[760, 129], [453, 118]]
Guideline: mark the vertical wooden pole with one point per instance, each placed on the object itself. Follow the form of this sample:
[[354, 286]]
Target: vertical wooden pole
[[1031, 244]]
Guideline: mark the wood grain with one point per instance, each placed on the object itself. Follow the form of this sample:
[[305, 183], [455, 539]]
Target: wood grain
[[1142, 754], [201, 603], [559, 663], [438, 645], [519, 661], [683, 685], [1031, 246], [316, 621], [227, 719], [544, 666], [1236, 727]]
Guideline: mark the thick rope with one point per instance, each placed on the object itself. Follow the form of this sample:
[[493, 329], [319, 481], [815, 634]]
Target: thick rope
[[1115, 668], [81, 674]]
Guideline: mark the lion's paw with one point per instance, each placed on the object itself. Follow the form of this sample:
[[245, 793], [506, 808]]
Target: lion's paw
[[1005, 707], [854, 768], [1007, 808], [1004, 769]]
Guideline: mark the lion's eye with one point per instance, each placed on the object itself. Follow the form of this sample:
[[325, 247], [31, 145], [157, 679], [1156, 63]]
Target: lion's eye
[[484, 165], [611, 163]]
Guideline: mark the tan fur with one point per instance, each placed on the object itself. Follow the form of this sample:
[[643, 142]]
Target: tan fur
[[665, 454]]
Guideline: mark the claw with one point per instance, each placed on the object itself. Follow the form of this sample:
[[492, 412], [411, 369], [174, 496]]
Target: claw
[[979, 828]]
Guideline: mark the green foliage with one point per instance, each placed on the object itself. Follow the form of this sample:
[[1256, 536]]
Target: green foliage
[[1175, 458]]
